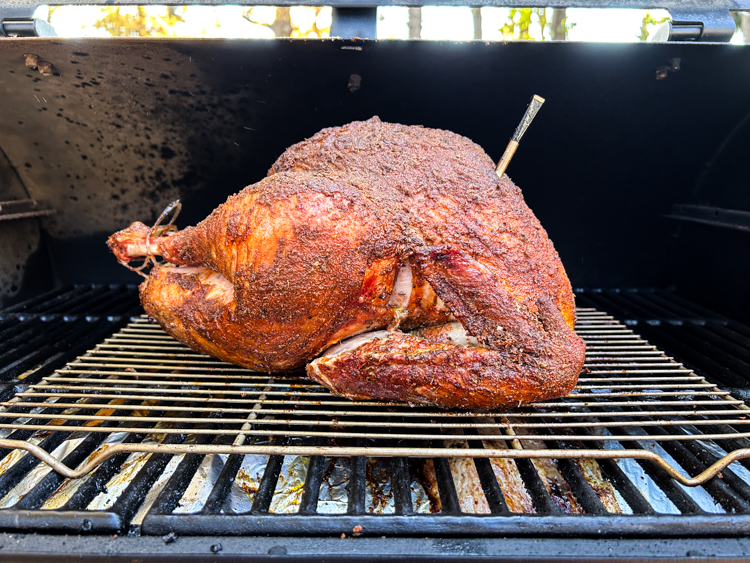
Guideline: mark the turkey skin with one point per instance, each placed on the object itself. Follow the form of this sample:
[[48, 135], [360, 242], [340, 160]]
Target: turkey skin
[[390, 260]]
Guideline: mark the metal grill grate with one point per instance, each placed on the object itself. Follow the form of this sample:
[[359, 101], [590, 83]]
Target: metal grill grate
[[152, 379], [41, 334], [145, 432]]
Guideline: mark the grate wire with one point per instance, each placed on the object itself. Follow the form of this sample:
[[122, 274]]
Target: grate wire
[[160, 386]]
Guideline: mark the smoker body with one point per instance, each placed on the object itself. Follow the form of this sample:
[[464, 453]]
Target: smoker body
[[636, 168]]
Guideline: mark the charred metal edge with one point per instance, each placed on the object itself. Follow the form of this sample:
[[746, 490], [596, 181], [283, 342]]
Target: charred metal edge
[[64, 548], [451, 525], [401, 487], [73, 521]]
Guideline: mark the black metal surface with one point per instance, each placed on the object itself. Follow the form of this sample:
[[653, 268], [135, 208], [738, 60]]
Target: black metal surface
[[86, 299], [218, 496], [665, 526], [309, 501], [490, 487], [39, 335], [17, 547], [356, 487], [354, 22], [401, 490], [713, 345], [699, 24]]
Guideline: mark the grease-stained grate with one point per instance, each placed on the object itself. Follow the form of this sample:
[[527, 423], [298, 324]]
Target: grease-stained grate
[[141, 382], [164, 439]]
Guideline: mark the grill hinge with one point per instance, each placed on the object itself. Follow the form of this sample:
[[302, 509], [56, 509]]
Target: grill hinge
[[17, 20], [714, 26], [31, 27]]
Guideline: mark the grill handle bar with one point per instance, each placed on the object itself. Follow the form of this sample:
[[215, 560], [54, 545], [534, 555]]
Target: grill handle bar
[[99, 458]]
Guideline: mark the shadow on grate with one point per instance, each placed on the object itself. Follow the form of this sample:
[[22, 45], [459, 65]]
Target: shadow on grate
[[41, 334], [154, 437], [712, 345]]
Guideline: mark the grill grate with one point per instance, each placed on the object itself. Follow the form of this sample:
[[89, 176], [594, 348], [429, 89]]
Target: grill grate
[[627, 383], [41, 334], [160, 438]]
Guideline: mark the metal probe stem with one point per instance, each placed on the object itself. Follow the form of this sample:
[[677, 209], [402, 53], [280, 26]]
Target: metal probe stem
[[534, 106]]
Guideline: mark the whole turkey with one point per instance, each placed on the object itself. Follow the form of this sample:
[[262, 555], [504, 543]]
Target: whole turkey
[[389, 259]]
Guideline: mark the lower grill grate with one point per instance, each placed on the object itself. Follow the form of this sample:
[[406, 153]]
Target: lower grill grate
[[40, 335], [161, 438]]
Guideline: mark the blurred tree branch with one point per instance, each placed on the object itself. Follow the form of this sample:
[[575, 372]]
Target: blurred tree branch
[[415, 23], [127, 21]]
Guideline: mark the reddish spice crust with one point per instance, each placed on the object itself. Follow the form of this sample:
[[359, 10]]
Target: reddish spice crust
[[309, 261], [444, 194], [312, 252], [405, 366]]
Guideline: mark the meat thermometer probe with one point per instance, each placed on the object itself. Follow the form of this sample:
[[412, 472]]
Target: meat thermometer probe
[[534, 106]]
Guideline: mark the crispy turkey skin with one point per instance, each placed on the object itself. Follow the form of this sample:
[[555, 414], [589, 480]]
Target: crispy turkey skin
[[366, 227]]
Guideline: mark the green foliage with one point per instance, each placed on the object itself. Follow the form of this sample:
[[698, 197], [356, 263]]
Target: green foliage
[[138, 21], [554, 27], [649, 20]]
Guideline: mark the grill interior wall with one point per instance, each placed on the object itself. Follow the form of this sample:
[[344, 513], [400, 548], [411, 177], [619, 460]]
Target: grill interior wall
[[206, 118]]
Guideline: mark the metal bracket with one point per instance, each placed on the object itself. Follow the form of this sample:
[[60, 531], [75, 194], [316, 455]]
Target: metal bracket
[[349, 23], [728, 218], [32, 27], [24, 208], [714, 26]]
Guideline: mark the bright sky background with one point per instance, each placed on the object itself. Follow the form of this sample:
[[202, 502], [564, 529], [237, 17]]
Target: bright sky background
[[455, 23], [199, 21], [438, 23]]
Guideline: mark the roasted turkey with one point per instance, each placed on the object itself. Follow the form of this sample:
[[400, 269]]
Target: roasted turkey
[[390, 260]]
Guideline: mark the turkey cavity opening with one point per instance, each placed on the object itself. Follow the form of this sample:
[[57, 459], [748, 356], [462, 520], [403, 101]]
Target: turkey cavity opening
[[452, 332]]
